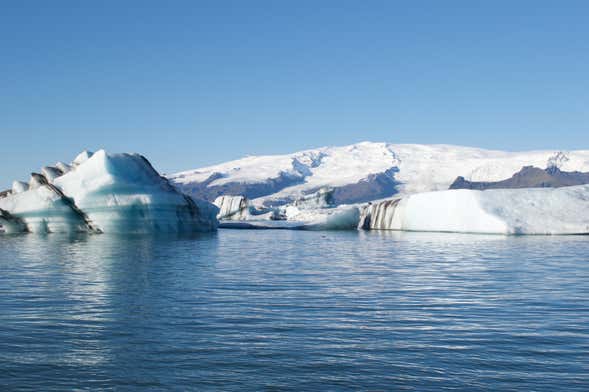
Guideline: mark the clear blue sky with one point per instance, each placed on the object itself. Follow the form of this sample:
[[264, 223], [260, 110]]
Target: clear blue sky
[[190, 83]]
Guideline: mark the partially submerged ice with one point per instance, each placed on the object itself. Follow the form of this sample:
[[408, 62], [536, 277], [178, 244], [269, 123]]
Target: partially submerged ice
[[344, 217], [100, 192], [502, 211], [314, 211]]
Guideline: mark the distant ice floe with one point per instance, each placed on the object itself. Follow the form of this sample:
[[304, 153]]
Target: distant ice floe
[[311, 212], [344, 217], [239, 208], [100, 192], [500, 211], [338, 218]]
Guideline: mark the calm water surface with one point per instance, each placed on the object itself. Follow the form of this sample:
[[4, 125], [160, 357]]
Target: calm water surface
[[292, 310]]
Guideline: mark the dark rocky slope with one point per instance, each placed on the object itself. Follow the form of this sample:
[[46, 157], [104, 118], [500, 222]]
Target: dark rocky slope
[[528, 177]]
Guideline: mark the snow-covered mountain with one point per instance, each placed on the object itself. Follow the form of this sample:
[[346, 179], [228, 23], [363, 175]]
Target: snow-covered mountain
[[364, 171]]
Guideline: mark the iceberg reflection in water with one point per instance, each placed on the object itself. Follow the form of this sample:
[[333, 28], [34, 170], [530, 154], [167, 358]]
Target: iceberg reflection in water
[[242, 309]]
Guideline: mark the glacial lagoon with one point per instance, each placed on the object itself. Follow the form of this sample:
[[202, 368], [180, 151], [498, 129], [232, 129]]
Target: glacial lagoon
[[294, 310]]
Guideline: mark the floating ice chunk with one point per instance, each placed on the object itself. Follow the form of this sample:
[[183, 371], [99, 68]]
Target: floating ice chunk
[[118, 193], [343, 217], [340, 218], [323, 198], [232, 207], [239, 208], [500, 211], [19, 186], [124, 193]]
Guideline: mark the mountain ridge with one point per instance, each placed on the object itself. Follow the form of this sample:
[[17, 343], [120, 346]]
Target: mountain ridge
[[364, 171]]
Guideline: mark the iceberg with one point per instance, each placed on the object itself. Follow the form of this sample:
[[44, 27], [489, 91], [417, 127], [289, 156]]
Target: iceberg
[[323, 198], [344, 217], [316, 211], [103, 193], [239, 208], [501, 211], [339, 218], [310, 212], [232, 207]]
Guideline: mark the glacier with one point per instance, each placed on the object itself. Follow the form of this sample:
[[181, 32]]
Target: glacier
[[498, 211], [102, 193], [364, 171]]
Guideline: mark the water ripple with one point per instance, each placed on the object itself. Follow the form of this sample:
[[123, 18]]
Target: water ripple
[[292, 310]]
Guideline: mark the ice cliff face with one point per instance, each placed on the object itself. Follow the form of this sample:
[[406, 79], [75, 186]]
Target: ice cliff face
[[379, 215], [498, 211], [100, 192], [364, 171], [232, 207]]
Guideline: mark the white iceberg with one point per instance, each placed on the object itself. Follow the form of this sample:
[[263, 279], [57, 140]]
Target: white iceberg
[[502, 211], [111, 193], [344, 217], [232, 207], [338, 218], [239, 208], [323, 198], [311, 212]]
